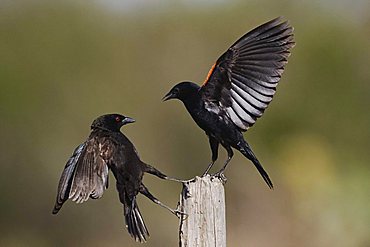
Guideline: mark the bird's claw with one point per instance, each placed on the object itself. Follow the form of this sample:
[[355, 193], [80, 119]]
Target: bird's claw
[[179, 213], [220, 175]]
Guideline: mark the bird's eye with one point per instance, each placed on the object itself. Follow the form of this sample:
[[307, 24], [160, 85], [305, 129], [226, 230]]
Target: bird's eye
[[118, 119]]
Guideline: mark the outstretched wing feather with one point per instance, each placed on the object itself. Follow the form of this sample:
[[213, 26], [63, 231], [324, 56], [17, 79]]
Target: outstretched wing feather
[[86, 173], [250, 70]]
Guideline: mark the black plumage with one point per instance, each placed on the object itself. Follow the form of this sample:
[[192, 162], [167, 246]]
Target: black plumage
[[238, 89], [86, 172]]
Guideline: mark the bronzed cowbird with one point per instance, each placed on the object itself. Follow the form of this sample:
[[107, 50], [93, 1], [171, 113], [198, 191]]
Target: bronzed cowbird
[[86, 172]]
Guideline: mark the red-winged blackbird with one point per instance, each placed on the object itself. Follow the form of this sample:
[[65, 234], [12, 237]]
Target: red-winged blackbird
[[238, 89], [86, 172]]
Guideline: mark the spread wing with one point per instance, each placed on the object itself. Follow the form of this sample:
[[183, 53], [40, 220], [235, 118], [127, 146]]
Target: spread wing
[[86, 172], [244, 78]]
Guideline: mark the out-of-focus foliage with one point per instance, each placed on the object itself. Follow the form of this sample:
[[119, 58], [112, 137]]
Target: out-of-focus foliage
[[61, 65]]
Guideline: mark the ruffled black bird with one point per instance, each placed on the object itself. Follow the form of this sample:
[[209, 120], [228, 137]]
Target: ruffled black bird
[[86, 172], [238, 89]]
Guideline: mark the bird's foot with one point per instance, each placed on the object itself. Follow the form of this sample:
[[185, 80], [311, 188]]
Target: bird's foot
[[179, 213], [204, 174], [220, 175]]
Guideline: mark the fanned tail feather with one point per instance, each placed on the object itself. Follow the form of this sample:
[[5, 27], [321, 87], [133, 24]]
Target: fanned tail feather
[[135, 223]]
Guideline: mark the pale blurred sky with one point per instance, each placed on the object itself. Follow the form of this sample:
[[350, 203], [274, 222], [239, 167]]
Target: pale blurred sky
[[354, 9]]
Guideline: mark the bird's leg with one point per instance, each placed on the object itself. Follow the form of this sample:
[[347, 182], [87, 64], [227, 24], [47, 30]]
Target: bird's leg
[[214, 148], [208, 168], [151, 170], [143, 190], [220, 173]]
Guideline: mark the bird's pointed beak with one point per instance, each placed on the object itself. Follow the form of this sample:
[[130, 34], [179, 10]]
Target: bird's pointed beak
[[128, 120], [168, 96]]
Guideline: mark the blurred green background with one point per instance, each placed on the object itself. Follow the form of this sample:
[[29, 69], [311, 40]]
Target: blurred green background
[[63, 63]]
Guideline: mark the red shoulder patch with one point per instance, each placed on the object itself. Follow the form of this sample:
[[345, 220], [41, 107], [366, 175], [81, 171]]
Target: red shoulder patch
[[209, 74]]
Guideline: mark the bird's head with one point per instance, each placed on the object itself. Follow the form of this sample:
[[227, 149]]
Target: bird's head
[[111, 122], [182, 91]]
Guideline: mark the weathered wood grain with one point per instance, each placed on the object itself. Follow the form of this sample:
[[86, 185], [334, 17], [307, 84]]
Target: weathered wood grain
[[204, 225]]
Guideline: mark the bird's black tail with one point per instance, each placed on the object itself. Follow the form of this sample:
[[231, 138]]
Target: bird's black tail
[[245, 149], [135, 223]]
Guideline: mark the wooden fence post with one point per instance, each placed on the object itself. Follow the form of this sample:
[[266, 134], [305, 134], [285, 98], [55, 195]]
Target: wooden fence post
[[203, 202]]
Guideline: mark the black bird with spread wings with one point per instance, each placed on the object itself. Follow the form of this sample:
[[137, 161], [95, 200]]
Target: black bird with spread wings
[[238, 89], [86, 172]]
